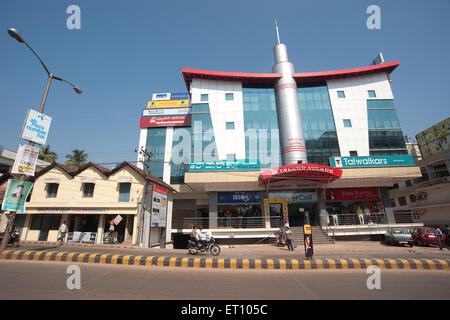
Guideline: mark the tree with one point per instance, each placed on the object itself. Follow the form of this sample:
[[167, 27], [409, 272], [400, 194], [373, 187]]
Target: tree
[[46, 155], [76, 159]]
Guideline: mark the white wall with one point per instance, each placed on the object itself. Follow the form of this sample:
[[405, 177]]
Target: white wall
[[354, 107], [222, 111]]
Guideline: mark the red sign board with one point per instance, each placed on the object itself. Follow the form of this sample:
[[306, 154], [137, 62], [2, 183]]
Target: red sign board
[[165, 121], [159, 189], [340, 194], [308, 171]]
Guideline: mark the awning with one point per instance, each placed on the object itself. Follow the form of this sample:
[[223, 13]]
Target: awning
[[309, 171]]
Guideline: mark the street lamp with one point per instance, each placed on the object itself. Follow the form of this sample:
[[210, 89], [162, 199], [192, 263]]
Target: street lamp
[[16, 35]]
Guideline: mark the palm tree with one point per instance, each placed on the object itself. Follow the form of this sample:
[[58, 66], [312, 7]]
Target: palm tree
[[47, 155], [76, 159]]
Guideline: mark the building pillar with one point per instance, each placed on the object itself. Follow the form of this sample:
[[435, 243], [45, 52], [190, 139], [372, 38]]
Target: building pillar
[[135, 229], [26, 227], [322, 207], [213, 210], [389, 211], [101, 222]]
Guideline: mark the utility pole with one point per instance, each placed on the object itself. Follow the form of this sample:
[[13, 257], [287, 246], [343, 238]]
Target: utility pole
[[146, 164]]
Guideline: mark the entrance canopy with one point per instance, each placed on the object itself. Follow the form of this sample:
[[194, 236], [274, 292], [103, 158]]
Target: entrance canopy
[[309, 171]]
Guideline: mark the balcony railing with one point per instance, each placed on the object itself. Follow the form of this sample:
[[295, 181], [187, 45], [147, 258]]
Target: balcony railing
[[232, 222], [355, 219]]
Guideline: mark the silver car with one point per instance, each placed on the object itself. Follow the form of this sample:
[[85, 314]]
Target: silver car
[[398, 237]]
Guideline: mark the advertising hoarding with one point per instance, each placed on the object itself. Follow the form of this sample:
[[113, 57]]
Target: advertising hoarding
[[355, 194], [16, 195], [239, 197], [166, 112], [36, 127], [294, 197], [25, 162], [224, 165], [165, 121], [170, 96], [435, 139], [168, 103], [371, 161], [159, 206]]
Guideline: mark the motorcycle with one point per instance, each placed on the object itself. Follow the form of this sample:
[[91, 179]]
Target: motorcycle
[[280, 239], [209, 245], [14, 238]]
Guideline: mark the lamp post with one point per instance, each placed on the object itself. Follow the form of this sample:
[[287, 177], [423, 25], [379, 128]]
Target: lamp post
[[16, 35]]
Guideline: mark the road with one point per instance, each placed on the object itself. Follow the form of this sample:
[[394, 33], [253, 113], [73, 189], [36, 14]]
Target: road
[[47, 280]]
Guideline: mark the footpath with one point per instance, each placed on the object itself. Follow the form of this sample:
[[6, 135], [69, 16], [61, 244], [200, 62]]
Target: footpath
[[341, 255]]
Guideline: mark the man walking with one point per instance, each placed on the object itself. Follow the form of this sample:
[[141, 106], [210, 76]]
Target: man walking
[[439, 239], [289, 237], [62, 232]]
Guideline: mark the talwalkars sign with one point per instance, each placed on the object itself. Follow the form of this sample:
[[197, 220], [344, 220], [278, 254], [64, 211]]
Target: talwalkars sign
[[36, 127], [372, 161]]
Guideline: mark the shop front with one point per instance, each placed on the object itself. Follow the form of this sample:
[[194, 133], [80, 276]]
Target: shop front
[[301, 207], [354, 206], [240, 209]]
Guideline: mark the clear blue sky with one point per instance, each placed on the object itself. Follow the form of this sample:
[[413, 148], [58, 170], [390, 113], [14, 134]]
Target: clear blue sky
[[127, 50]]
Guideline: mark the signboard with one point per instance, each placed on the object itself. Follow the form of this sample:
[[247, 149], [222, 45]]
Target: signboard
[[239, 197], [36, 127], [316, 172], [435, 139], [73, 210], [166, 112], [16, 195], [294, 184], [372, 161], [294, 197], [224, 165], [26, 158], [159, 206], [165, 121], [170, 96], [307, 235], [168, 104], [355, 194], [117, 219]]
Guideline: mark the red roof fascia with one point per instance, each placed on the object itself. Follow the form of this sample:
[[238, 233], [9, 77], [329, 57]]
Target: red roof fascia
[[189, 74]]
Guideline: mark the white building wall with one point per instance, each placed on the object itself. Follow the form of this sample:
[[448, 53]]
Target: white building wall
[[142, 145], [354, 107], [222, 111]]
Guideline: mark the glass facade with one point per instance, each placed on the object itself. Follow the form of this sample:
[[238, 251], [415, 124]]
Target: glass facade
[[385, 133], [156, 142]]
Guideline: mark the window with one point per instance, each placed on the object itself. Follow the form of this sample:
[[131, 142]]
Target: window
[[402, 201], [88, 190], [52, 190], [408, 183], [412, 198], [341, 94], [347, 123], [230, 125], [231, 157], [353, 153], [204, 97], [372, 94], [229, 96], [124, 192], [392, 202]]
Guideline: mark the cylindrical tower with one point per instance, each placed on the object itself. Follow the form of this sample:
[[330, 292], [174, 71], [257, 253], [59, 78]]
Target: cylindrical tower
[[292, 142]]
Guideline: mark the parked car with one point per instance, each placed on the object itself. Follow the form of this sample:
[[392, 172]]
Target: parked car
[[425, 236], [398, 237]]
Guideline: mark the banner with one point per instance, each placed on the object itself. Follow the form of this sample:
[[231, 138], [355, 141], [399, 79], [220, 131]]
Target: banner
[[294, 197], [224, 165], [36, 127], [26, 158], [355, 194], [170, 96], [307, 235], [168, 104], [165, 121], [371, 161], [16, 195]]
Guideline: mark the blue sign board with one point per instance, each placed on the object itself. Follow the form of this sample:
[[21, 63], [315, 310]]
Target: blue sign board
[[372, 161], [179, 95], [224, 165], [239, 197]]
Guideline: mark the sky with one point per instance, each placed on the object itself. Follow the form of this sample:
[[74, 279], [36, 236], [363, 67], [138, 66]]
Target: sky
[[127, 50]]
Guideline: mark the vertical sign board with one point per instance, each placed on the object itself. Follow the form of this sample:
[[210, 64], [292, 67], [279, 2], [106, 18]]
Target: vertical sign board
[[159, 206], [308, 241], [16, 195], [36, 127], [25, 162]]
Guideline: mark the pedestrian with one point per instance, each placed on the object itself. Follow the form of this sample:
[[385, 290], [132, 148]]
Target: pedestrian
[[228, 218], [62, 232], [289, 238], [111, 231], [446, 232], [439, 239]]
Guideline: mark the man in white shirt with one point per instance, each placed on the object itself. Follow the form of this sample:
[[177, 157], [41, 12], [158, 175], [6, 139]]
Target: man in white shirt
[[200, 237], [62, 232]]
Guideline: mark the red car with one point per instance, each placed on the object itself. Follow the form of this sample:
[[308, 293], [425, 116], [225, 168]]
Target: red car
[[425, 235]]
